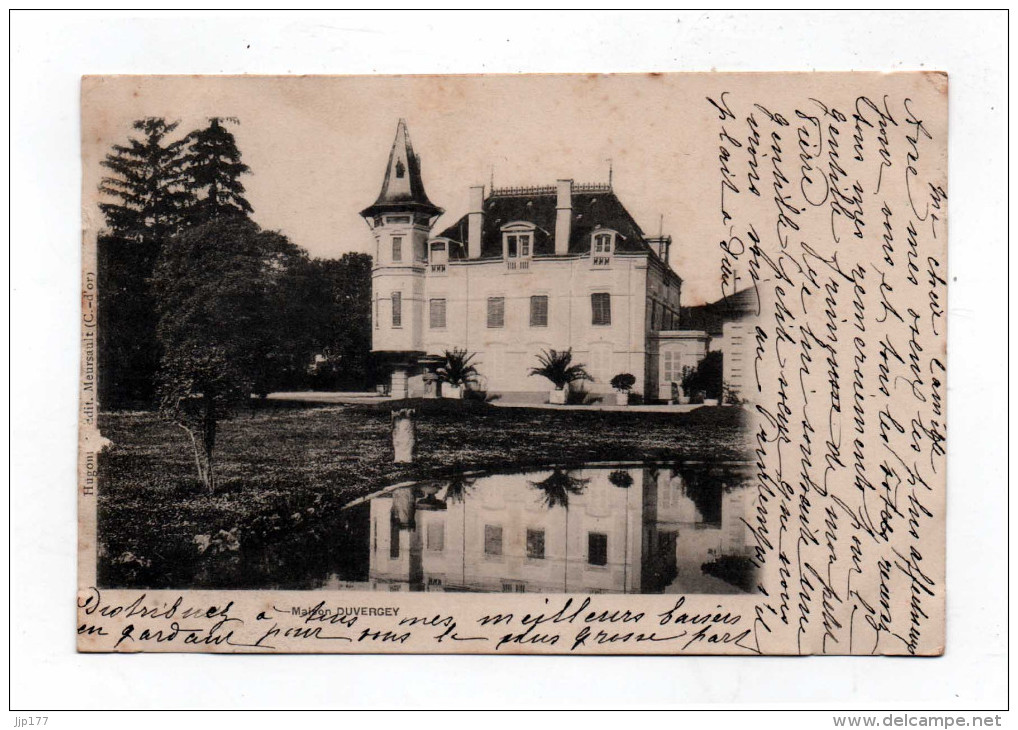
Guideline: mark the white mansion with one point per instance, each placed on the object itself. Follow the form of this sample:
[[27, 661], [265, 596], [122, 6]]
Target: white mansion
[[527, 269]]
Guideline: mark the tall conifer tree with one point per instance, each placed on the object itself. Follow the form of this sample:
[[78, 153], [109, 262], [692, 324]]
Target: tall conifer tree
[[213, 169], [146, 180]]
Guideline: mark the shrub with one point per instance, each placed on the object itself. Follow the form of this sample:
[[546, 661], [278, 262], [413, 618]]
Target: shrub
[[556, 366], [457, 369], [623, 382]]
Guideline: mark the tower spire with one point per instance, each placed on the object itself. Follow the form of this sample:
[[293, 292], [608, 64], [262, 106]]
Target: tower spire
[[402, 187]]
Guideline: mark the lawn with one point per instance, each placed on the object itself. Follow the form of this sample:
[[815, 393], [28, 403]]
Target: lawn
[[286, 470]]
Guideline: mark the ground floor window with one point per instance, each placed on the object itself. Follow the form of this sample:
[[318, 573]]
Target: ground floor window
[[597, 548], [672, 366], [436, 537], [493, 540], [535, 544], [393, 539]]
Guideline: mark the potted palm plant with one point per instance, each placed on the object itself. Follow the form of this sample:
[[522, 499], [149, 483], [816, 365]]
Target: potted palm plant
[[623, 383], [457, 372], [557, 366]]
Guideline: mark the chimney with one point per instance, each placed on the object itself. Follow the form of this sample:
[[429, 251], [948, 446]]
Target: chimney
[[660, 245], [475, 221], [563, 216]]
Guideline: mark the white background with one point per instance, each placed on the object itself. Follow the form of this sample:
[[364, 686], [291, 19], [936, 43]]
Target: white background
[[51, 51]]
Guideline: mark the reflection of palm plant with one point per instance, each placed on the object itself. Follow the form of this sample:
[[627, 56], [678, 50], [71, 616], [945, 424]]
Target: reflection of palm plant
[[458, 489], [457, 369], [557, 488], [621, 479], [556, 366]]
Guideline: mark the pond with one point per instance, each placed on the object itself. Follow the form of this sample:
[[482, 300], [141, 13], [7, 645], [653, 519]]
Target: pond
[[599, 528]]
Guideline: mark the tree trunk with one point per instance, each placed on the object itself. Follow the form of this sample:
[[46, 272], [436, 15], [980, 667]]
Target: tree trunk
[[209, 444]]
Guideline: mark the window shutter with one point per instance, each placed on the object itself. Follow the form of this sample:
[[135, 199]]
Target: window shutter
[[437, 314], [539, 311], [493, 539], [496, 311], [601, 311]]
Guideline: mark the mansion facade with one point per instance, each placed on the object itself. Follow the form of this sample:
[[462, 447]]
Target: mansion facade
[[525, 270]]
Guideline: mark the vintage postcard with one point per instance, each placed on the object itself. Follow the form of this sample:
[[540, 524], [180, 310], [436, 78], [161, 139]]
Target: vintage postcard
[[552, 364]]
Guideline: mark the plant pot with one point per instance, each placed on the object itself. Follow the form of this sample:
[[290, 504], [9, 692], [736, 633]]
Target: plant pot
[[558, 396], [622, 397], [452, 391]]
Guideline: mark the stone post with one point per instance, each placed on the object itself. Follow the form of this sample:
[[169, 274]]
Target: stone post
[[404, 435]]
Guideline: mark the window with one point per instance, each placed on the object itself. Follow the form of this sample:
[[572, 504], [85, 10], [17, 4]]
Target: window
[[393, 539], [378, 307], [672, 367], [397, 309], [597, 548], [535, 544], [437, 314], [493, 540], [602, 243], [400, 168], [601, 309], [496, 311], [439, 257], [517, 245], [397, 248], [539, 311], [436, 537]]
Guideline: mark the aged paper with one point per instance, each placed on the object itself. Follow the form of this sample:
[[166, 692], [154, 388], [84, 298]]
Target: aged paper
[[637, 364]]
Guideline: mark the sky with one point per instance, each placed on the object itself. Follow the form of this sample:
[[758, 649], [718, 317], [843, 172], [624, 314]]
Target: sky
[[317, 146]]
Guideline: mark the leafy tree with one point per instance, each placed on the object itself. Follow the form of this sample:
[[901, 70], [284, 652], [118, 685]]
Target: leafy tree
[[128, 352], [707, 377], [335, 309], [557, 366], [147, 182], [213, 170], [217, 286]]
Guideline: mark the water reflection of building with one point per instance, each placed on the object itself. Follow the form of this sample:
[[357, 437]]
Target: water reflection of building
[[627, 530]]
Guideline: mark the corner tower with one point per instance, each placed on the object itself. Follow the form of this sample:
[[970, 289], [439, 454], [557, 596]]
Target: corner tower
[[400, 220]]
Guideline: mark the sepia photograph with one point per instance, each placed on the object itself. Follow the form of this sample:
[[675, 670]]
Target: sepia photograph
[[518, 398], [509, 359], [565, 339]]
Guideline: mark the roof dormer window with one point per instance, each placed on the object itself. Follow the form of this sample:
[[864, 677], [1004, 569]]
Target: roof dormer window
[[602, 244], [518, 245]]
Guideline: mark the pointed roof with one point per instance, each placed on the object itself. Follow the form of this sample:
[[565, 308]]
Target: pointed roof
[[402, 188]]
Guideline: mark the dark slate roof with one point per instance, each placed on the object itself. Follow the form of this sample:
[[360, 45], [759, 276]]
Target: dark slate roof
[[402, 188], [710, 318], [595, 207]]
